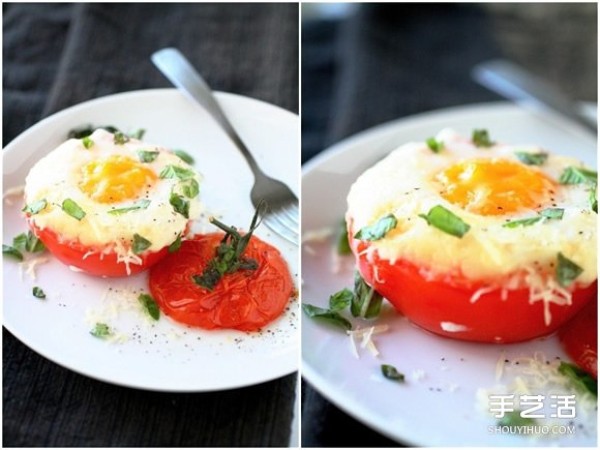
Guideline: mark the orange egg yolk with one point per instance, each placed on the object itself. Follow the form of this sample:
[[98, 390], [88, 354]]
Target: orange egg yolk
[[114, 179], [495, 186]]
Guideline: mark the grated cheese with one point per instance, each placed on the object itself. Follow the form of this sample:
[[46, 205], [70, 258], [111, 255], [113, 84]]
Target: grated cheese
[[366, 336], [547, 290], [480, 292], [29, 266]]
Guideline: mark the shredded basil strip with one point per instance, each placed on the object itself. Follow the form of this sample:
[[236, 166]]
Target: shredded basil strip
[[28, 243], [532, 159], [343, 246], [341, 299], [176, 244], [73, 209], [138, 134], [142, 204], [147, 156], [172, 171], [378, 230], [578, 377], [549, 213], [12, 252], [81, 132], [140, 244], [594, 200], [578, 175], [514, 419], [38, 292], [391, 373], [120, 138], [434, 145], [149, 305], [184, 156], [326, 315], [366, 302], [566, 271], [481, 138], [100, 330], [190, 188], [446, 221], [87, 142], [35, 207], [180, 205]]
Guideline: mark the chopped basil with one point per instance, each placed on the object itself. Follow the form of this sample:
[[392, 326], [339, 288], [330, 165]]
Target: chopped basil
[[481, 138], [366, 302], [552, 213], [100, 330], [581, 379], [35, 207], [434, 145], [594, 200], [326, 315], [341, 300], [378, 230], [549, 213], [137, 134], [120, 138], [175, 245], [142, 204], [391, 373], [140, 244], [38, 292], [446, 221], [147, 156], [81, 132], [532, 159], [578, 175], [12, 252], [180, 205], [184, 156], [28, 243], [514, 419], [87, 142], [190, 188], [172, 171], [149, 305], [566, 271], [343, 246], [73, 209]]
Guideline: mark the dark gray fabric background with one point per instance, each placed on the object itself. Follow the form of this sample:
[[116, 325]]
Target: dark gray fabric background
[[390, 61], [55, 56]]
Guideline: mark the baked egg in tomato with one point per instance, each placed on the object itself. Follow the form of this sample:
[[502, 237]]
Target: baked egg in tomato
[[110, 205], [476, 240]]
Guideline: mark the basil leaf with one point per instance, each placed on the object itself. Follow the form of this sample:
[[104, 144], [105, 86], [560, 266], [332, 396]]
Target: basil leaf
[[594, 200], [87, 142], [331, 317], [175, 245], [101, 330], [180, 205], [35, 207], [566, 271], [378, 230], [366, 302], [532, 159], [147, 156], [120, 138], [391, 373], [149, 305], [73, 209], [184, 156], [172, 171], [514, 419], [190, 188], [343, 246], [434, 145], [481, 138], [137, 134], [446, 221], [579, 378], [38, 292], [552, 213], [340, 300], [140, 244], [578, 175], [12, 252], [522, 222], [20, 242], [142, 204], [81, 132], [33, 244]]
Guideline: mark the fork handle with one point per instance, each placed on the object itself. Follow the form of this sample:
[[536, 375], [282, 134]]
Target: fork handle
[[182, 74]]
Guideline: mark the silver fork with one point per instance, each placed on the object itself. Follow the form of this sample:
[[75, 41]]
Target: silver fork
[[282, 216]]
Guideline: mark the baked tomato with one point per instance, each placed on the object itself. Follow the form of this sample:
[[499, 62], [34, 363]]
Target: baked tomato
[[579, 337], [245, 300], [461, 309], [94, 261]]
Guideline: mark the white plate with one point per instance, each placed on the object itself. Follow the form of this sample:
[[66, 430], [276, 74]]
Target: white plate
[[166, 356], [441, 408]]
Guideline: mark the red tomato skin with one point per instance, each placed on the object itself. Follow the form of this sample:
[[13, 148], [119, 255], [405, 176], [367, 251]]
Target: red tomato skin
[[73, 253], [579, 338], [245, 300], [428, 303]]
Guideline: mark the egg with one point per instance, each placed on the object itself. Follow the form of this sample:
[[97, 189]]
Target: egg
[[106, 191]]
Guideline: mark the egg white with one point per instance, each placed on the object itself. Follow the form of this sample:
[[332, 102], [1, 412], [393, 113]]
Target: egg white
[[57, 176], [402, 184]]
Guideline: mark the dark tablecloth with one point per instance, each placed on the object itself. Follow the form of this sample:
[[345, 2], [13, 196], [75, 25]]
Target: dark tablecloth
[[59, 55], [389, 61]]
